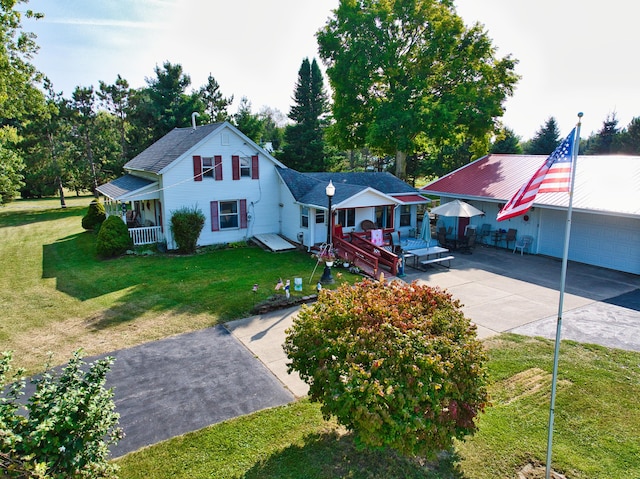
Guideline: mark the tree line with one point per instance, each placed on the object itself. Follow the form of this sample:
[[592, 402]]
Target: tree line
[[414, 91], [610, 139]]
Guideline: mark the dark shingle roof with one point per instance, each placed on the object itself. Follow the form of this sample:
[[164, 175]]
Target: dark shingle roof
[[168, 148], [123, 185], [384, 182], [309, 188]]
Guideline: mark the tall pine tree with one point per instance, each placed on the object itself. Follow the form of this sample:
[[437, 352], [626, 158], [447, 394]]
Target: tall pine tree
[[545, 140], [304, 148]]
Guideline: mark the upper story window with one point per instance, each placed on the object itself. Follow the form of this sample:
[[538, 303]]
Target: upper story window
[[207, 167], [245, 167]]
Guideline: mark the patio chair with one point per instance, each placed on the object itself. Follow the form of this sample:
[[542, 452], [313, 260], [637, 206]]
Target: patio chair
[[523, 243], [367, 225], [468, 243], [510, 236], [485, 233], [444, 242]]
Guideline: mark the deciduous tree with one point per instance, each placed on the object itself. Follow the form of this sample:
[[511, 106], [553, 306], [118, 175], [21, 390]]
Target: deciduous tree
[[398, 365], [19, 95], [407, 76], [66, 426]]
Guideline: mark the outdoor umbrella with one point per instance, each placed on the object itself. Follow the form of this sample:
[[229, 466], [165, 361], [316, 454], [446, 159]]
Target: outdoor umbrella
[[457, 208], [425, 233]]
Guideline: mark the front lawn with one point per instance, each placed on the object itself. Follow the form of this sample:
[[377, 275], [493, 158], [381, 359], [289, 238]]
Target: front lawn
[[56, 296]]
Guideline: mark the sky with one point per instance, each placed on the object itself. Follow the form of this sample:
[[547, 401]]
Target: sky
[[573, 55]]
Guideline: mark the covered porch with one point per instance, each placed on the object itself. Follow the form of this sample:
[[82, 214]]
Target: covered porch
[[137, 202]]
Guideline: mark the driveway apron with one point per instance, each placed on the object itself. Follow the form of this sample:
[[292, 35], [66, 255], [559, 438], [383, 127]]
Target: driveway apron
[[183, 383]]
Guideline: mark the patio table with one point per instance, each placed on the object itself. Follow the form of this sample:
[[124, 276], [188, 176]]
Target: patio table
[[432, 250]]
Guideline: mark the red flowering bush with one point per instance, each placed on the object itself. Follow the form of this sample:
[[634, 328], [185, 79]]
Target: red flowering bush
[[398, 365]]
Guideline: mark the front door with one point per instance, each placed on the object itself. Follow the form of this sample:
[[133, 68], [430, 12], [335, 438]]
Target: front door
[[462, 224]]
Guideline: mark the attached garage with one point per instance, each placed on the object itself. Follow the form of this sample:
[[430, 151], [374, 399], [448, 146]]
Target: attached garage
[[605, 224]]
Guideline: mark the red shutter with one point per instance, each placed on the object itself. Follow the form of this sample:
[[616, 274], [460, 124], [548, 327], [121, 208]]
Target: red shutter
[[215, 224], [255, 174], [197, 168], [235, 166], [217, 165], [243, 213]]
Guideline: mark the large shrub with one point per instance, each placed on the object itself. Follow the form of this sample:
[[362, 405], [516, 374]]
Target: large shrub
[[65, 428], [113, 238], [186, 225], [95, 216], [398, 365]]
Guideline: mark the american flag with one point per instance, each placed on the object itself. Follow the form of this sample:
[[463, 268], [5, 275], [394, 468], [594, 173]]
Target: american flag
[[554, 175]]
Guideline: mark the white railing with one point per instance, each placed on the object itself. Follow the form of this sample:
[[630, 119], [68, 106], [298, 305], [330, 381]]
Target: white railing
[[146, 235]]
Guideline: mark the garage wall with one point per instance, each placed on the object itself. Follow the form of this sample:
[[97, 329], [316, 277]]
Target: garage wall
[[600, 240]]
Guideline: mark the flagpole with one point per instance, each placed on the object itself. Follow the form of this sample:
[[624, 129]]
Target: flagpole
[[563, 277]]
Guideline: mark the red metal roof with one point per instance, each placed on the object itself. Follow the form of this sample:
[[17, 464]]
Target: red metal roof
[[412, 199], [603, 183]]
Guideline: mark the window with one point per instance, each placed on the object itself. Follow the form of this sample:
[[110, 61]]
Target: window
[[347, 218], [405, 215], [207, 167], [319, 216], [304, 216], [384, 216], [229, 215], [245, 167]]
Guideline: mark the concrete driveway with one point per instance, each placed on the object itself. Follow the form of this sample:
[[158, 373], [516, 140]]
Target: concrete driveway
[[500, 292]]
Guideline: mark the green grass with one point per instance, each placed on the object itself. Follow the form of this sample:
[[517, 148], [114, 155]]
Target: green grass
[[597, 429], [56, 295]]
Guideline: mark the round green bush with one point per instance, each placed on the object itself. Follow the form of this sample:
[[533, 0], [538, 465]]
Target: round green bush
[[113, 238], [186, 225], [95, 216], [398, 365]]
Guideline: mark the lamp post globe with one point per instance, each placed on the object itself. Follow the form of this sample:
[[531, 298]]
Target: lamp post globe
[[330, 190]]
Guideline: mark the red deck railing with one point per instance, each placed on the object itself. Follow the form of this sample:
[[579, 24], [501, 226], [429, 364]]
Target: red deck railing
[[358, 250]]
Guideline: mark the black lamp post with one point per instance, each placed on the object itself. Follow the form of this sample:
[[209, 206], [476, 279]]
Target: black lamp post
[[326, 278]]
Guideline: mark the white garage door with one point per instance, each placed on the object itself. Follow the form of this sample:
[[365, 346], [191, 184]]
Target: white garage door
[[600, 240]]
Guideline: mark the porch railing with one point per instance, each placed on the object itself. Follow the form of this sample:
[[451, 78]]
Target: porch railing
[[146, 235]]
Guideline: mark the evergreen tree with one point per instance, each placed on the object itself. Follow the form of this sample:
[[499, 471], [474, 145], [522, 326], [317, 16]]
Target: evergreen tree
[[304, 147], [545, 140], [606, 141], [247, 122], [630, 138], [163, 105], [216, 104], [116, 98], [506, 142]]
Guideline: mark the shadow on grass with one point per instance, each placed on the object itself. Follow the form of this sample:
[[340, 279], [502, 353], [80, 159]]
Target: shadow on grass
[[219, 283], [330, 455]]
